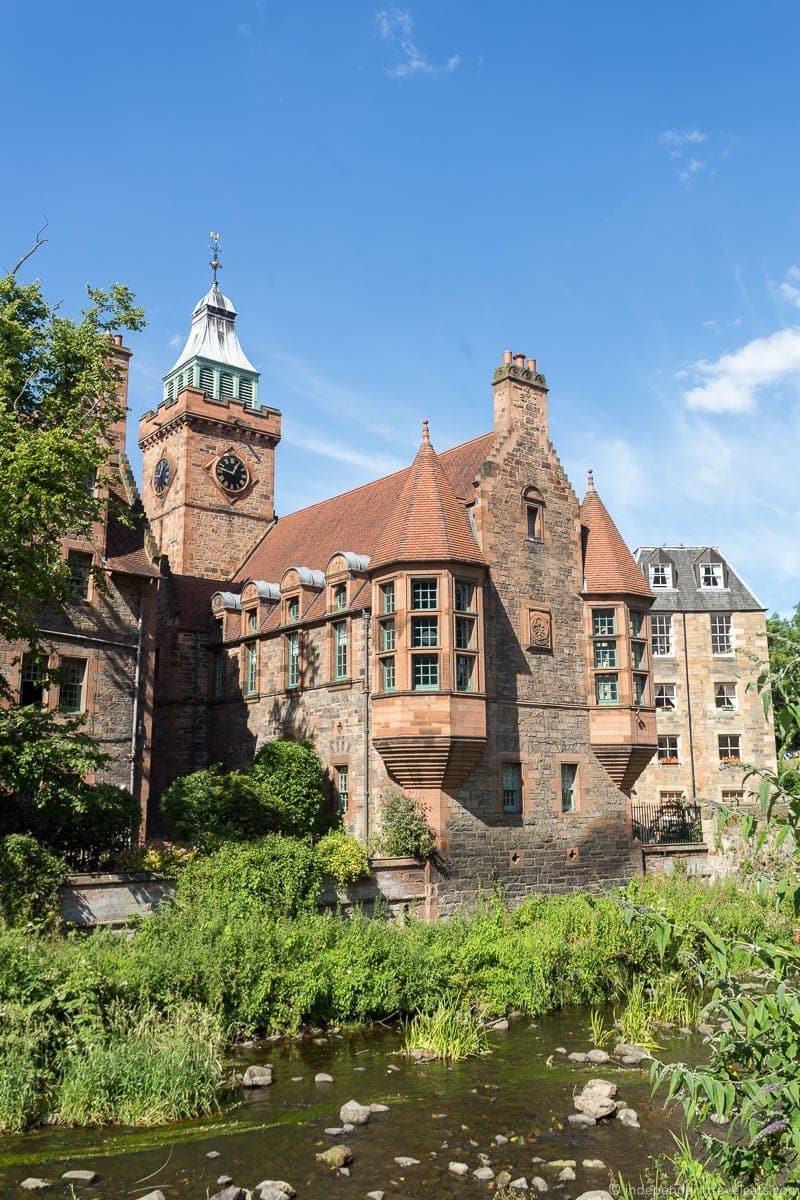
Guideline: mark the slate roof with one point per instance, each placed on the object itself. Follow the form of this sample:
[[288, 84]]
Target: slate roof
[[686, 596], [609, 567], [355, 520]]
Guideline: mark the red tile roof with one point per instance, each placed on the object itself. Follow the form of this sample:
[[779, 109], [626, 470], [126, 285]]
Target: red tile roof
[[429, 523], [125, 549], [608, 565], [355, 520]]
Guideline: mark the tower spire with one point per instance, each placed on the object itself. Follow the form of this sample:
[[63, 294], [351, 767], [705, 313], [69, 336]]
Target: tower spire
[[215, 262]]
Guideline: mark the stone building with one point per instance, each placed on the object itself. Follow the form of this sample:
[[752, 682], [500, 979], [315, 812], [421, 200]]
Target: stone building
[[463, 629], [708, 647], [102, 642]]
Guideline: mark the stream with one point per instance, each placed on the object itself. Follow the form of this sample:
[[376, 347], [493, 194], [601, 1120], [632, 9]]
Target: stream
[[437, 1114]]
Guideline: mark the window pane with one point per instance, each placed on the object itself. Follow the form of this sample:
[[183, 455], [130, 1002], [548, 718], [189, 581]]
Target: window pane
[[465, 670], [387, 598], [32, 680], [424, 593], [668, 748], [721, 639], [424, 631], [252, 620], [293, 609], [387, 635], [725, 696], [340, 596], [729, 747], [293, 660], [340, 645], [665, 695], [465, 628], [637, 655], [637, 623], [661, 575], [80, 572], [251, 681], [425, 672], [387, 675], [606, 689], [465, 595], [512, 787], [70, 698], [711, 575], [569, 776], [342, 787], [661, 627], [534, 523], [605, 654], [604, 622], [639, 689]]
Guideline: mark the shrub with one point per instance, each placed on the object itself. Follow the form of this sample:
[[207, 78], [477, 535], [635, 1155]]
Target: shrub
[[291, 775], [276, 876], [30, 878], [404, 830], [162, 858], [452, 1031], [341, 855]]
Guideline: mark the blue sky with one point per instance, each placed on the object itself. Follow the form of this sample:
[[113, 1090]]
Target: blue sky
[[404, 192]]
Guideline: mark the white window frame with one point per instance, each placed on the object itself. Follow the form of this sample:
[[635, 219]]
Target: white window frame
[[660, 568], [725, 690], [661, 635], [668, 695], [666, 748], [717, 638], [712, 575]]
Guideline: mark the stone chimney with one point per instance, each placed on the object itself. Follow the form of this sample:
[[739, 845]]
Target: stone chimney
[[520, 393], [120, 357]]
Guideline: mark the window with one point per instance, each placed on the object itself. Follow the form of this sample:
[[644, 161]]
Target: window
[[342, 787], [424, 631], [226, 385], [387, 598], [252, 620], [732, 796], [465, 669], [668, 748], [217, 630], [246, 391], [425, 672], [534, 522], [388, 677], [188, 377], [293, 609], [721, 638], [31, 680], [671, 797], [604, 622], [665, 696], [388, 635], [340, 597], [424, 593], [79, 564], [637, 623], [465, 595], [711, 575], [169, 390], [207, 379], [569, 789], [70, 688], [729, 749], [661, 575], [512, 787], [605, 654], [639, 690], [606, 689], [465, 628], [251, 669], [638, 656], [292, 660], [340, 650], [218, 677], [661, 636], [725, 696]]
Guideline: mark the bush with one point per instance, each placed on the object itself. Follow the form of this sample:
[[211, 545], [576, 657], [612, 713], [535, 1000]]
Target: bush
[[404, 830], [342, 856], [277, 876], [30, 878], [282, 792]]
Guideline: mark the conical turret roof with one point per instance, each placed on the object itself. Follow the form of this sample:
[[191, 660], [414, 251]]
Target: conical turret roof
[[429, 523], [609, 567], [213, 334]]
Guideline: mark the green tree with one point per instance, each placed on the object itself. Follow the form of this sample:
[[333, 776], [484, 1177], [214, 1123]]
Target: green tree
[[58, 405], [783, 634]]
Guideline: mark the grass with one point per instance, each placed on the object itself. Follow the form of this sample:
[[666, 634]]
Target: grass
[[452, 1031], [602, 1036], [635, 1020], [687, 1177]]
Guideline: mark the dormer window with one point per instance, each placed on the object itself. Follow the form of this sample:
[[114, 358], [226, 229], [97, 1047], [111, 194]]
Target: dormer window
[[661, 575], [293, 609], [711, 575], [340, 597], [252, 620]]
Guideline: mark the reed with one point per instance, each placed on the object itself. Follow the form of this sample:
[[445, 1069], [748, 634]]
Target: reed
[[451, 1031]]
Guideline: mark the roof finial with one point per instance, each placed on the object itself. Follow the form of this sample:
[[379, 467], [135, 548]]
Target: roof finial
[[590, 480], [215, 263], [426, 437]]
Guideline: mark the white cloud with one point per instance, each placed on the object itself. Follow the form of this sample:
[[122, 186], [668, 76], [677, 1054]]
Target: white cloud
[[789, 289], [732, 382], [315, 442], [396, 27], [678, 143]]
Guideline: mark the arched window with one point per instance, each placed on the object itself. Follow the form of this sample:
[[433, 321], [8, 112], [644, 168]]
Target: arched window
[[534, 505]]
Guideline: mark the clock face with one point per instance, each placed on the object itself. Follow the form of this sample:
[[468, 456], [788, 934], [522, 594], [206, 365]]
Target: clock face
[[161, 476], [232, 474]]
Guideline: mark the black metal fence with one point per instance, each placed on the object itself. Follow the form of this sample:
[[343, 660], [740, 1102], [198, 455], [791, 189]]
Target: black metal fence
[[667, 823]]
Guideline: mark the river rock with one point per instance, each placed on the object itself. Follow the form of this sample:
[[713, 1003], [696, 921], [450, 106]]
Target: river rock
[[334, 1131], [594, 1164], [593, 1103], [231, 1193], [557, 1164], [211, 1154], [503, 1179], [560, 1050], [87, 1177], [577, 1056], [596, 1195], [519, 1185], [373, 1108], [257, 1077], [604, 1086], [33, 1184], [375, 1195], [323, 1077], [501, 1026], [629, 1117], [598, 1056], [632, 1060], [705, 1029], [458, 1168], [156, 1195], [539, 1185], [404, 1161], [273, 1189], [224, 1180], [500, 1139], [392, 1067], [581, 1119], [353, 1113], [566, 1176], [337, 1156], [484, 1174]]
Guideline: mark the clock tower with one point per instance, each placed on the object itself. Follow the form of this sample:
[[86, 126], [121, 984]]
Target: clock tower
[[209, 448]]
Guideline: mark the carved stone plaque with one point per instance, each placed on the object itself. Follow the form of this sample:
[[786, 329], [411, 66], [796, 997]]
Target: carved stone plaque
[[540, 629]]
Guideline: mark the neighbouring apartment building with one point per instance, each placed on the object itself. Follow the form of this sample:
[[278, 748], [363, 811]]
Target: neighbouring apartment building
[[708, 647], [102, 642]]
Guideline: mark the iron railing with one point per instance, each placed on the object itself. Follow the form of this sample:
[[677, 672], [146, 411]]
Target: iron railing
[[668, 823]]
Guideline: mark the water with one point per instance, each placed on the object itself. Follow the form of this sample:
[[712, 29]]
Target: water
[[437, 1114]]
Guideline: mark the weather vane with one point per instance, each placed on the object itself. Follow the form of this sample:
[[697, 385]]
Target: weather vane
[[215, 263]]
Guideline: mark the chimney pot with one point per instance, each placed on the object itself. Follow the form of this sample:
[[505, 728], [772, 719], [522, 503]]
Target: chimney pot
[[507, 356], [519, 360], [531, 364]]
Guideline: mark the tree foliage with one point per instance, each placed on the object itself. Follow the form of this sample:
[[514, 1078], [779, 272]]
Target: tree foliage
[[783, 634], [58, 405]]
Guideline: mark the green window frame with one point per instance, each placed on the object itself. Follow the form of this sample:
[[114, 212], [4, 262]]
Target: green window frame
[[72, 676], [293, 660], [464, 595], [569, 787], [606, 688], [79, 564], [424, 594], [425, 672], [388, 597], [512, 787], [465, 672], [424, 631], [342, 787], [388, 634], [340, 650], [388, 674], [605, 654], [251, 669]]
